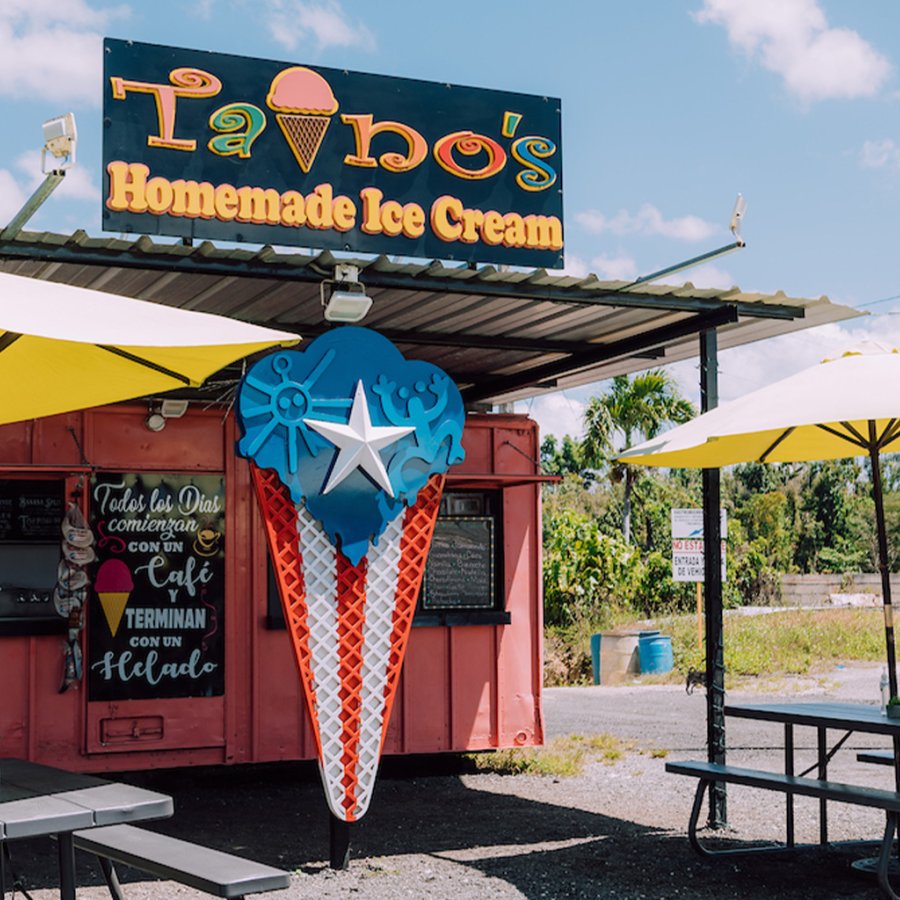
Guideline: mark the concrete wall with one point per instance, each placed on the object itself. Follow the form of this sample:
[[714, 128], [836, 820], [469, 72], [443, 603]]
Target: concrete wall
[[836, 590]]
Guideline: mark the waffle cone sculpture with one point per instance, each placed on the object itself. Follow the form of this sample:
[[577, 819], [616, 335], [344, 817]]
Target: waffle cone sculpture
[[348, 444]]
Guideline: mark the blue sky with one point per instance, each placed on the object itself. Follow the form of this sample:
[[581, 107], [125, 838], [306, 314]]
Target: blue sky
[[669, 109]]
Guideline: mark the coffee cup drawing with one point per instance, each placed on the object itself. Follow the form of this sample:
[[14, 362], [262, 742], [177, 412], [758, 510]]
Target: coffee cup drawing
[[207, 542]]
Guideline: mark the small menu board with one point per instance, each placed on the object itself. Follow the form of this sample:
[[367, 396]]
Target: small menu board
[[460, 569], [31, 510]]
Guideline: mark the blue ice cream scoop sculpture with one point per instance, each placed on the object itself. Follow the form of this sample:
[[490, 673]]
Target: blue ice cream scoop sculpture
[[352, 428]]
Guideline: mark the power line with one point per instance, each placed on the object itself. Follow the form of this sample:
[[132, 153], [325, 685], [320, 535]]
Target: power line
[[876, 302]]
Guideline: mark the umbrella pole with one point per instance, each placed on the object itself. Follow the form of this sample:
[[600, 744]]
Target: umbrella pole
[[884, 568]]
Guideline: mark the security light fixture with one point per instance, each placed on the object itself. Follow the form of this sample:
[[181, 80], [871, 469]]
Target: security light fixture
[[344, 298], [737, 215], [60, 139], [173, 409], [160, 413]]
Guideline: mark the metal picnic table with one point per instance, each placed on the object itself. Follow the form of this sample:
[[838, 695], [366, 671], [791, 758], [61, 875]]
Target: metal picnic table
[[38, 800], [847, 717]]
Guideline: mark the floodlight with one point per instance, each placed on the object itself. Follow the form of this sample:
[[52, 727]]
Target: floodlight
[[173, 409], [60, 138], [160, 413], [346, 301], [737, 215], [347, 306]]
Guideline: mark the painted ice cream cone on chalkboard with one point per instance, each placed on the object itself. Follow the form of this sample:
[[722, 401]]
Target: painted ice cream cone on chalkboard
[[303, 105], [113, 585], [349, 442]]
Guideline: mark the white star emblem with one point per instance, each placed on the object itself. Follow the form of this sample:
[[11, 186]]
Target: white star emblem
[[359, 442]]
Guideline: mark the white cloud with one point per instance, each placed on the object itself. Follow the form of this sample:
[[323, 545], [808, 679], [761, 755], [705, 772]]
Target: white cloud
[[51, 49], [12, 197], [292, 22], [751, 366], [77, 185], [614, 268], [648, 220], [741, 369], [793, 39], [878, 154], [702, 277], [202, 9], [575, 267], [558, 413]]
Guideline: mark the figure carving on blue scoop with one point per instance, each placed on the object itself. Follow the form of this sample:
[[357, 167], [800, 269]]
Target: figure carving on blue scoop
[[352, 428]]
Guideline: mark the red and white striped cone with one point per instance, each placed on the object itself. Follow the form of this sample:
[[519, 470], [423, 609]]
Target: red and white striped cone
[[349, 626]]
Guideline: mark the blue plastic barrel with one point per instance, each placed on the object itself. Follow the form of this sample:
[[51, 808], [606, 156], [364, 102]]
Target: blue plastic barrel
[[595, 656], [655, 652]]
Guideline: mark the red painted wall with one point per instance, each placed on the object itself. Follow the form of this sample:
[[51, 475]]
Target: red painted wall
[[463, 687]]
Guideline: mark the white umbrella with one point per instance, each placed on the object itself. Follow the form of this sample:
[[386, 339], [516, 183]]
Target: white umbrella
[[64, 348], [846, 406]]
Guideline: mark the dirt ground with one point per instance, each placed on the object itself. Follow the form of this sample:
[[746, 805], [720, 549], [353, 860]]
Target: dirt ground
[[438, 829]]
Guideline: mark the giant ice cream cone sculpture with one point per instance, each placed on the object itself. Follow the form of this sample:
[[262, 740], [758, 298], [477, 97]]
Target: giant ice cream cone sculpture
[[113, 585], [349, 443], [303, 105]]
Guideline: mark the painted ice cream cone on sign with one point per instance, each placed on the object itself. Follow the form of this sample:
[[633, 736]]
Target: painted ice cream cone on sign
[[113, 585], [349, 443], [303, 104]]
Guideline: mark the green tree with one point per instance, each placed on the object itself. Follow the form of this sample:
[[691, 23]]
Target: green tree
[[632, 408], [561, 458], [835, 521]]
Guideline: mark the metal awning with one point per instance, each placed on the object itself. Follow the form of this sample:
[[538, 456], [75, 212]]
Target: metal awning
[[502, 335]]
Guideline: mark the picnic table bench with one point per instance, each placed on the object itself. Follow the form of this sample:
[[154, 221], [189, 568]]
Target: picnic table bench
[[217, 873], [847, 717], [791, 785]]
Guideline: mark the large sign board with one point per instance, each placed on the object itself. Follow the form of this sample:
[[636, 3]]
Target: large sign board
[[210, 145], [156, 622], [688, 561]]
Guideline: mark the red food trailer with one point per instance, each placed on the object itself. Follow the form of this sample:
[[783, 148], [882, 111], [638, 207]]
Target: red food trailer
[[472, 677]]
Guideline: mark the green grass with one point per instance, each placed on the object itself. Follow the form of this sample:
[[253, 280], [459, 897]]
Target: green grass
[[789, 642], [793, 642], [563, 757]]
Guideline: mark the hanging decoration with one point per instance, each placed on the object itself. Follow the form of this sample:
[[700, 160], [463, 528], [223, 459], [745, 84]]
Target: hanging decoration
[[72, 586]]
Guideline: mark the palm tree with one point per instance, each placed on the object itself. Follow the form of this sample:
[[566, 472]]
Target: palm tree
[[632, 408]]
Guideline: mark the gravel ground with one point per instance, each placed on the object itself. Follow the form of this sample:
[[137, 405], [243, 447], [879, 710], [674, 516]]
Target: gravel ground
[[439, 831]]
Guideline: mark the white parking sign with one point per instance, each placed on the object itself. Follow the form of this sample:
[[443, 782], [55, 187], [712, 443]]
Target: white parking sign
[[687, 545]]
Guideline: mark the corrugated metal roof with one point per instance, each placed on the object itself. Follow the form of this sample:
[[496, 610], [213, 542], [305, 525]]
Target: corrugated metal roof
[[502, 335]]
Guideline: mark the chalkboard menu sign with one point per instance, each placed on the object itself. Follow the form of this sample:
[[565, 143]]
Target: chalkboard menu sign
[[31, 510], [459, 573], [156, 621]]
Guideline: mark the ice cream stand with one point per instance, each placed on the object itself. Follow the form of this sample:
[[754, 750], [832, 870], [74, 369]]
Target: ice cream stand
[[186, 660]]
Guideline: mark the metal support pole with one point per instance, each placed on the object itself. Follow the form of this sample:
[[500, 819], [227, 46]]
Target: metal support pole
[[884, 568], [32, 204], [339, 843], [712, 537]]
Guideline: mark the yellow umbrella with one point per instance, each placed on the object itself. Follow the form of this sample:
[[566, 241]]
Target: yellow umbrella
[[846, 406], [64, 348]]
